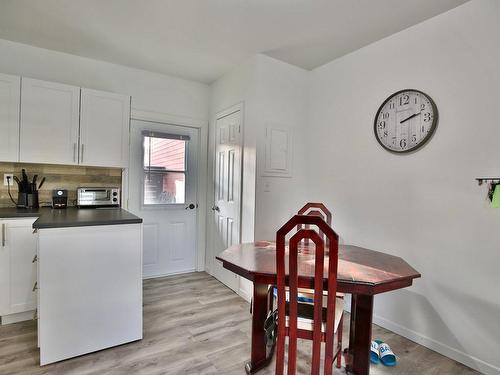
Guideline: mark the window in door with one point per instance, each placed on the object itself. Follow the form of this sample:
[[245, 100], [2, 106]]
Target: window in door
[[165, 168]]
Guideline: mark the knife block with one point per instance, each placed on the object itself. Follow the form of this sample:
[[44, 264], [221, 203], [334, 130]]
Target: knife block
[[28, 200], [33, 200], [22, 200]]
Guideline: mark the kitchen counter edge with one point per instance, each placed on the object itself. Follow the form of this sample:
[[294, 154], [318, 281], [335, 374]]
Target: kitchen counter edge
[[71, 217]]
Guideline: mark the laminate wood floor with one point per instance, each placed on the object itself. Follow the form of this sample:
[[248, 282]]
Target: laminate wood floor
[[193, 324]]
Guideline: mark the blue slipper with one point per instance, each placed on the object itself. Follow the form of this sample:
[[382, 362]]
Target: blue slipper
[[374, 353], [387, 357]]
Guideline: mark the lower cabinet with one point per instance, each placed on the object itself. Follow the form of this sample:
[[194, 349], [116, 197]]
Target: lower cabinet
[[18, 269]]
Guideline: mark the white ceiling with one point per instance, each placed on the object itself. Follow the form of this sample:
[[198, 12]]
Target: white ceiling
[[203, 39]]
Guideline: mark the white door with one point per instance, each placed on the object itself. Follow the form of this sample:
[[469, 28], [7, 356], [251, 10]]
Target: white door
[[104, 128], [17, 269], [163, 191], [226, 223], [10, 99], [50, 116]]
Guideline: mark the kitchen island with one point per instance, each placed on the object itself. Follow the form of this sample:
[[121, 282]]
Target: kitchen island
[[89, 279]]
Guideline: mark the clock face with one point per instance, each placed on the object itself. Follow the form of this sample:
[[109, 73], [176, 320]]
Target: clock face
[[405, 121]]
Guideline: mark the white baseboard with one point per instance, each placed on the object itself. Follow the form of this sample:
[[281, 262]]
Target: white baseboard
[[168, 274], [19, 317], [243, 294], [457, 355]]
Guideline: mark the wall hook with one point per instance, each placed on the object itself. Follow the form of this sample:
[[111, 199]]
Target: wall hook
[[481, 180]]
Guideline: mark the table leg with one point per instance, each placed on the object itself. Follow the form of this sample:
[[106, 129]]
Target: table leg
[[360, 334], [259, 358]]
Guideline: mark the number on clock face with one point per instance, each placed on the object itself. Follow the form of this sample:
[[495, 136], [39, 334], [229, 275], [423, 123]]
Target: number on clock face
[[405, 121]]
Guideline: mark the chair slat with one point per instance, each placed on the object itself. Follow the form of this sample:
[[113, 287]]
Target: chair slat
[[292, 326], [318, 305], [280, 270], [331, 302]]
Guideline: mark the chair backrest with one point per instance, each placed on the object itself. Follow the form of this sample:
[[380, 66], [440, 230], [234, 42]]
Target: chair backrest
[[293, 284], [315, 209]]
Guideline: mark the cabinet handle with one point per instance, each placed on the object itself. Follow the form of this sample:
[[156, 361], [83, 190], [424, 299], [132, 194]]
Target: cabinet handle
[[35, 287], [81, 159], [74, 152], [35, 315], [3, 235], [35, 259]]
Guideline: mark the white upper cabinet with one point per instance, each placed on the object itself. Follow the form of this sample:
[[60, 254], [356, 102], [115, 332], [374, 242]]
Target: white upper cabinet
[[10, 98], [104, 128], [49, 122]]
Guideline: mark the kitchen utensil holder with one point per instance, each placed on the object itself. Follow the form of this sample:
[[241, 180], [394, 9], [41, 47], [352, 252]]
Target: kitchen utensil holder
[[28, 200]]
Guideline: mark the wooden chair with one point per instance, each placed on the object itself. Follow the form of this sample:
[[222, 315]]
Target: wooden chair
[[318, 209], [315, 209], [314, 321], [310, 209]]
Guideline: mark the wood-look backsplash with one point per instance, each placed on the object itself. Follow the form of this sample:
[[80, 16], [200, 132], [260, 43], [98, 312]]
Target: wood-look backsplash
[[68, 177]]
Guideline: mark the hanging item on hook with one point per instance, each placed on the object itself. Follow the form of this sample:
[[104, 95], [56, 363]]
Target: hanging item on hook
[[494, 194], [493, 189]]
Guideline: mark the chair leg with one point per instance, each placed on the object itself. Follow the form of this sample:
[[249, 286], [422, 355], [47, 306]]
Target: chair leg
[[339, 341], [280, 355]]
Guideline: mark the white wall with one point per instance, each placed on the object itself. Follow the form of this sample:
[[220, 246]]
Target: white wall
[[283, 103], [149, 91], [425, 207], [272, 93]]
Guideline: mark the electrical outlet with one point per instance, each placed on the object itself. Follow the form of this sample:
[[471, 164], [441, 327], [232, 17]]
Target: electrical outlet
[[11, 179]]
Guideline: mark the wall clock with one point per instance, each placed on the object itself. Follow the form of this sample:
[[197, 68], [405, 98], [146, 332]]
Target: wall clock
[[405, 121]]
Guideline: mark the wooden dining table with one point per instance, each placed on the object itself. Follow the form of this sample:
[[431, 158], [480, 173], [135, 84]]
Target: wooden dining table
[[363, 273]]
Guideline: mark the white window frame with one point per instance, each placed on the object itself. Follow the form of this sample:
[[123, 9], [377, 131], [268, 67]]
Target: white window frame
[[151, 134]]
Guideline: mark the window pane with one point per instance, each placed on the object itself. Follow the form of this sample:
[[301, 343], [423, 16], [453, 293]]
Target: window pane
[[164, 188], [164, 154]]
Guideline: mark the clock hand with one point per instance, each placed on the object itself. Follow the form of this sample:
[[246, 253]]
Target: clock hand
[[408, 118]]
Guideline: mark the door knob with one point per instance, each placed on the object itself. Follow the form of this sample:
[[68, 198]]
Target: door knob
[[216, 208], [192, 206]]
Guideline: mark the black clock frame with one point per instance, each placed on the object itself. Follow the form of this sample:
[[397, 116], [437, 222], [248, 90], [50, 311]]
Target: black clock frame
[[427, 137]]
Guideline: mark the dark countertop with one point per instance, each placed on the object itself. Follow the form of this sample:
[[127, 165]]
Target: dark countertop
[[72, 217], [12, 212]]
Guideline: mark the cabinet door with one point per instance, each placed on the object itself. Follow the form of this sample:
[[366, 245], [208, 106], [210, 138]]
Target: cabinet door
[[104, 129], [19, 273], [49, 122], [10, 97], [4, 272]]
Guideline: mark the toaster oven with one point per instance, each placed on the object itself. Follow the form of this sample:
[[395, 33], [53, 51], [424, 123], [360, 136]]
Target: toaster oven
[[97, 197]]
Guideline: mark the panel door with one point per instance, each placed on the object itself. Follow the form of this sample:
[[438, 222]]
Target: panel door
[[49, 122], [17, 250], [227, 190], [163, 190], [10, 99], [104, 129]]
